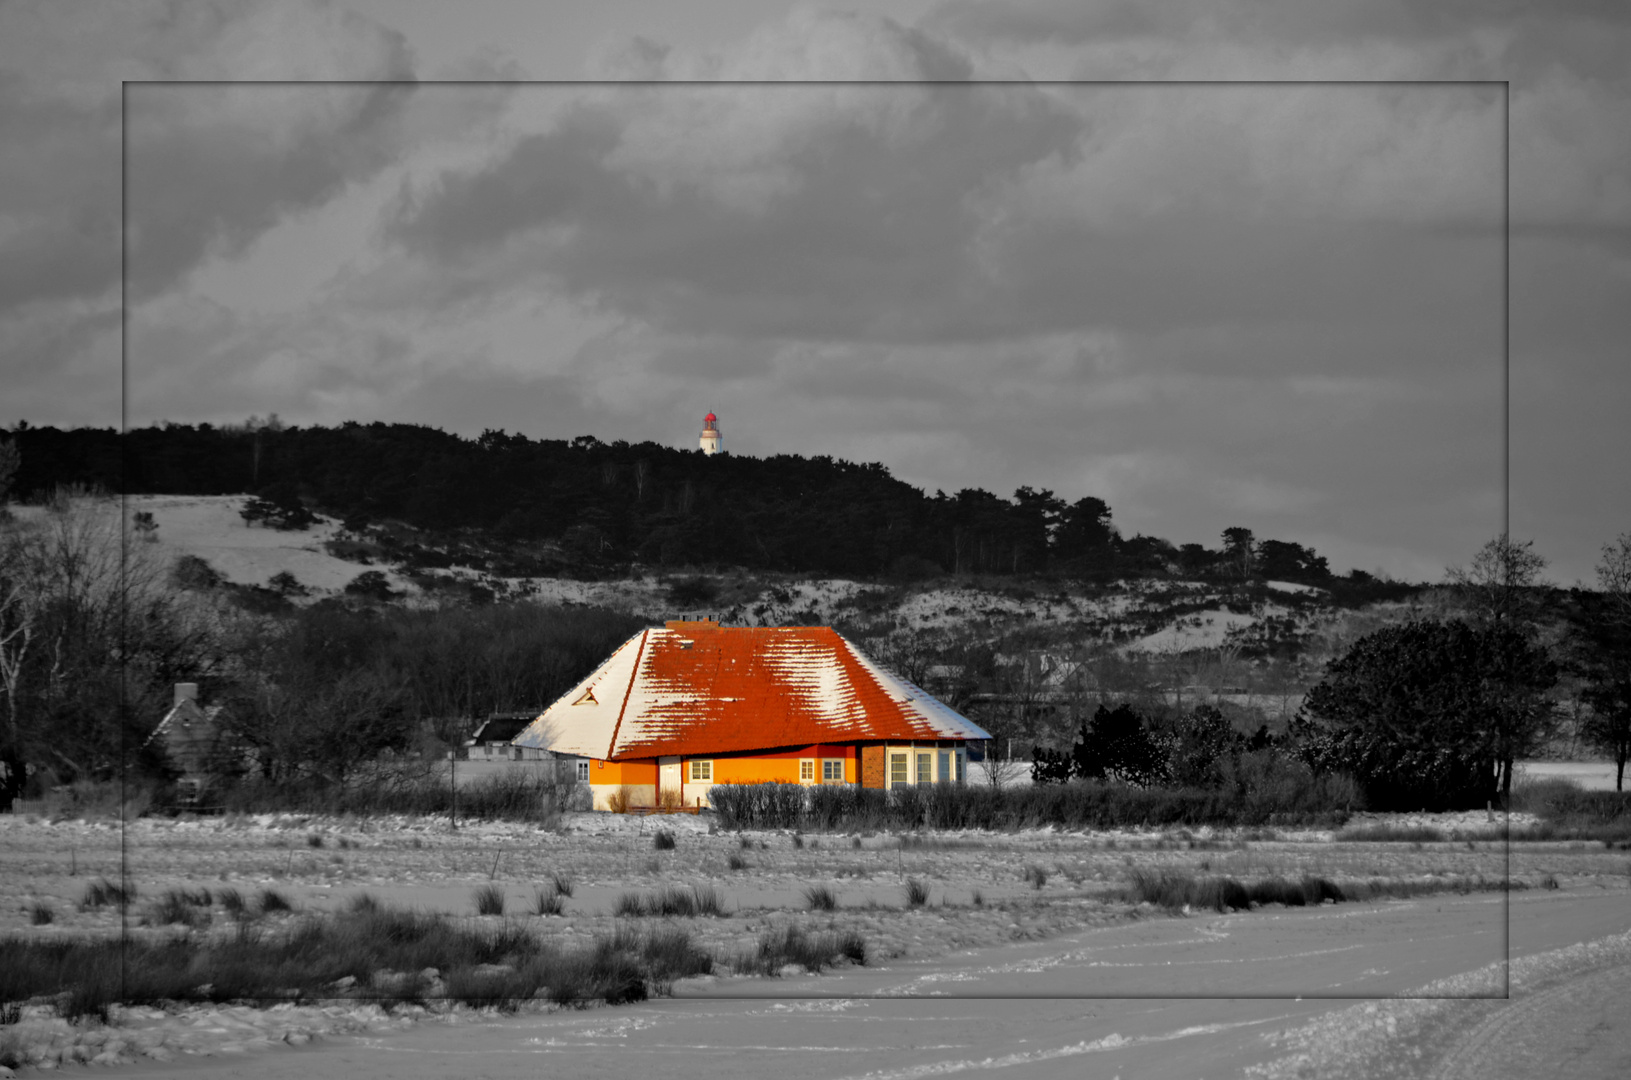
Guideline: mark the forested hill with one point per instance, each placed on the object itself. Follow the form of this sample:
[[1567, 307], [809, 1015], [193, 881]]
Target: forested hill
[[606, 504]]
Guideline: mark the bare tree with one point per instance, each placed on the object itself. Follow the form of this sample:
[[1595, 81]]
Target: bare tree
[[1495, 586], [999, 767]]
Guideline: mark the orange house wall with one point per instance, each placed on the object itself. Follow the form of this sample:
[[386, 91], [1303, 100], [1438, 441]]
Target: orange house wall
[[622, 772]]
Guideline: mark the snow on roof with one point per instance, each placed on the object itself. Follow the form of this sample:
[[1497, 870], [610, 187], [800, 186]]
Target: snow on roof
[[700, 688]]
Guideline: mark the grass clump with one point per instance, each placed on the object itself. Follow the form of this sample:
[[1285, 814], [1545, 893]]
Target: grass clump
[[547, 902], [916, 893], [820, 898], [179, 907], [1036, 876], [378, 951], [232, 902], [672, 901], [736, 862], [790, 944], [41, 914], [100, 894], [489, 900], [562, 883], [272, 902]]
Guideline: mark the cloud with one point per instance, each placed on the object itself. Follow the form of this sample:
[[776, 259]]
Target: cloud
[[60, 68]]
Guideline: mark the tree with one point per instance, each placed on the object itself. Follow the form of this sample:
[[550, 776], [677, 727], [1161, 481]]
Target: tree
[[1498, 585], [11, 459], [1084, 536], [1237, 551], [1600, 653], [999, 770], [1116, 744], [1430, 713], [1202, 738]]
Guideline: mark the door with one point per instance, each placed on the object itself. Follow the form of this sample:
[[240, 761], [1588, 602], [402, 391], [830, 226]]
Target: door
[[668, 782]]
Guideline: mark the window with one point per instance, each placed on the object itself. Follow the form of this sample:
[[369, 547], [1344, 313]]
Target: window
[[962, 766], [583, 772], [925, 768], [945, 766], [702, 772], [897, 769], [832, 771], [806, 771]]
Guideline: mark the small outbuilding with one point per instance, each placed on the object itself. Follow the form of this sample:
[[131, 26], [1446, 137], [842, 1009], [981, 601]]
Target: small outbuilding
[[199, 744], [493, 739], [682, 707]]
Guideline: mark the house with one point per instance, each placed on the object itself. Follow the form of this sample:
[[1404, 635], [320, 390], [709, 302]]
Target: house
[[198, 743], [492, 739], [691, 704]]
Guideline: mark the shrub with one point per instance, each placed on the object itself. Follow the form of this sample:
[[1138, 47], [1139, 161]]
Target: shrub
[[314, 840], [1036, 876], [736, 862], [820, 898], [40, 914], [489, 900], [618, 801], [272, 902], [663, 840], [1383, 833]]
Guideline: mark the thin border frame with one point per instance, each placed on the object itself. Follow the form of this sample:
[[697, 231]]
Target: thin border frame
[[1506, 444]]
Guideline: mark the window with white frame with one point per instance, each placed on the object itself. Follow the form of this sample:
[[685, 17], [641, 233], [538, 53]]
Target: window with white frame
[[583, 772], [806, 770], [897, 769], [945, 767], [925, 767], [832, 771], [702, 772]]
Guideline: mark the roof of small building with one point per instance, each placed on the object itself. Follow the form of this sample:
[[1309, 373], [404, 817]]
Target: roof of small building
[[184, 712], [693, 688], [502, 726]]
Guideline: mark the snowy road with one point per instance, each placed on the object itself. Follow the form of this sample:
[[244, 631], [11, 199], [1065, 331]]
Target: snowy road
[[1272, 993]]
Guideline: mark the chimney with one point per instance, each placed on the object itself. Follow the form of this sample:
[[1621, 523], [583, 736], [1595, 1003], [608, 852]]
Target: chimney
[[186, 691]]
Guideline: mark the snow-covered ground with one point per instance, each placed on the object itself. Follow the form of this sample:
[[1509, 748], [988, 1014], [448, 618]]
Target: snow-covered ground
[[1459, 986], [211, 528], [323, 864]]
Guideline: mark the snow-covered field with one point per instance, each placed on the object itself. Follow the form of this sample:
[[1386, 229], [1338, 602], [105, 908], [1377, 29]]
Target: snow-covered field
[[323, 864]]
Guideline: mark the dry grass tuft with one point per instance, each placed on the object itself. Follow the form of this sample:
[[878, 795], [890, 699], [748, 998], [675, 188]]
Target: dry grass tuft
[[489, 900]]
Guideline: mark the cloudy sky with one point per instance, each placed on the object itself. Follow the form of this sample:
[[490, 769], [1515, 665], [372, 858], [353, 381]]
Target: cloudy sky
[[1099, 254]]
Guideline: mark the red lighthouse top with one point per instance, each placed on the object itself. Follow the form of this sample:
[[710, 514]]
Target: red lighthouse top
[[710, 418]]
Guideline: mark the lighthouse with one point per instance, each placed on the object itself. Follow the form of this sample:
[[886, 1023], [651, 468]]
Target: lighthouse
[[711, 439]]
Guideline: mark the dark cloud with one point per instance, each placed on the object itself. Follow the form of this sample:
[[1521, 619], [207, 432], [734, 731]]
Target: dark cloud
[[1345, 21], [201, 189], [868, 230]]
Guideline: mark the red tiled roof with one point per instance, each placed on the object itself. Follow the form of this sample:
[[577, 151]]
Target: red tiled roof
[[699, 688]]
